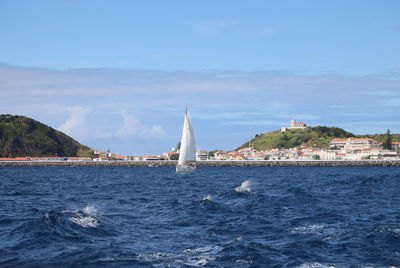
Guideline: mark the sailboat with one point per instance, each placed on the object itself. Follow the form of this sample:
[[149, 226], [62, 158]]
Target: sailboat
[[187, 153]]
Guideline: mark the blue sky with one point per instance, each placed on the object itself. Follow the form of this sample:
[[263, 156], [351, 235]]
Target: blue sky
[[118, 74]]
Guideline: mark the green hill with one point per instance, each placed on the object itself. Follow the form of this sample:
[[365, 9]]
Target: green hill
[[22, 136], [318, 136]]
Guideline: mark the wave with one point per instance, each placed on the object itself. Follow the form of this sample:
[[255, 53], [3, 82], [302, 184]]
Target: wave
[[245, 187], [85, 221], [58, 226], [189, 257], [86, 217], [329, 232], [316, 265], [312, 229]]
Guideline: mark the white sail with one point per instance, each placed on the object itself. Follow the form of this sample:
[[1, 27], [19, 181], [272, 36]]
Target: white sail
[[188, 148]]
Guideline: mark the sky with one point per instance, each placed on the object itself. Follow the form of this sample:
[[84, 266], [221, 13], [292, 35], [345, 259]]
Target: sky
[[119, 74]]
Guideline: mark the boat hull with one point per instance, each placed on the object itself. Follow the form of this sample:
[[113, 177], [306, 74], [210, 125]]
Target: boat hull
[[185, 169]]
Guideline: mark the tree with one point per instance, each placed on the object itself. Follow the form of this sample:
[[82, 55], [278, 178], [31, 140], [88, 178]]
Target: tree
[[387, 144], [174, 157], [178, 146]]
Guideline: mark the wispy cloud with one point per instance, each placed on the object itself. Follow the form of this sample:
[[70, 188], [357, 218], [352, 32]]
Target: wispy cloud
[[394, 102], [120, 105], [382, 92]]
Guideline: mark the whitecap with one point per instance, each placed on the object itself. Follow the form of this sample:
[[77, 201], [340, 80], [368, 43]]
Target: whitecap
[[65, 211], [151, 256], [207, 198], [84, 221], [85, 217], [199, 260], [314, 228], [90, 210], [107, 259], [210, 249], [201, 256], [239, 238], [316, 265], [244, 187], [243, 262], [47, 218]]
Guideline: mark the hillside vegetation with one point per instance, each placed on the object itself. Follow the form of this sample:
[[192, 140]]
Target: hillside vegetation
[[318, 136], [22, 136]]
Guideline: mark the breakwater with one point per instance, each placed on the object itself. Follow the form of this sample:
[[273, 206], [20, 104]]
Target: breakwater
[[161, 163]]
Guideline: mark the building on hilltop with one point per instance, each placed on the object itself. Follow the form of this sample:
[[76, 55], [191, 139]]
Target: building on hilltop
[[294, 125]]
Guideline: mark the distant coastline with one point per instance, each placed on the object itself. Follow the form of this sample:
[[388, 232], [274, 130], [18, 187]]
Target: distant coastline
[[173, 163]]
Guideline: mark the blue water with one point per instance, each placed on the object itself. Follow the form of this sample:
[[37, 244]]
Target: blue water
[[230, 217]]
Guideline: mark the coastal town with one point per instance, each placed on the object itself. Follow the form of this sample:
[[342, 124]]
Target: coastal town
[[341, 149]]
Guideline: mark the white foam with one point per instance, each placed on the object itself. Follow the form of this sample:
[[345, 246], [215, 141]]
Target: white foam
[[65, 211], [107, 259], [149, 256], [188, 257], [315, 228], [316, 265], [207, 198], [212, 249], [201, 256], [85, 221], [243, 262], [90, 210], [85, 217], [239, 238], [199, 260], [245, 187], [47, 218]]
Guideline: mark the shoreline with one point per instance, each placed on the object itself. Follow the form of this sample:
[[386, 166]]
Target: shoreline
[[172, 163]]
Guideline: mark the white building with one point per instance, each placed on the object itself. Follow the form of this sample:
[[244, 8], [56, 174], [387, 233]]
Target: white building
[[201, 156], [337, 143], [327, 155], [395, 145], [354, 144]]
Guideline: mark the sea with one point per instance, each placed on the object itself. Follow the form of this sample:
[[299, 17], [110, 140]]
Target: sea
[[216, 217]]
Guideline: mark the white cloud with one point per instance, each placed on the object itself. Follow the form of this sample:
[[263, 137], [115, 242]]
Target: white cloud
[[133, 127], [75, 125]]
